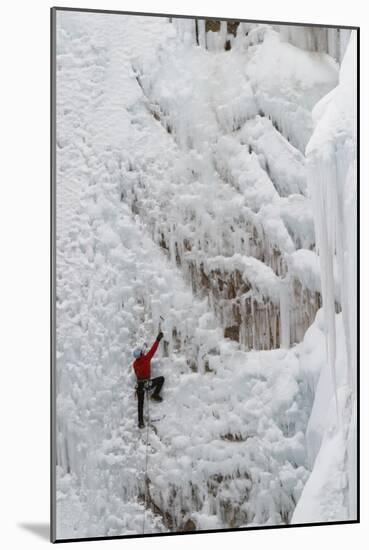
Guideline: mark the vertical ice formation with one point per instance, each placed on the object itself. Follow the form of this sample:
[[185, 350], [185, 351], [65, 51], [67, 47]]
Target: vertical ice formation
[[317, 39], [331, 155]]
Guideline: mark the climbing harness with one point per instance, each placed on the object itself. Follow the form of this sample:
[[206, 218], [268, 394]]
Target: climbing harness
[[146, 387]]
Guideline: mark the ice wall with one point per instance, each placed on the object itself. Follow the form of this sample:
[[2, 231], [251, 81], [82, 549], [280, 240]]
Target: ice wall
[[239, 186], [331, 157], [184, 194]]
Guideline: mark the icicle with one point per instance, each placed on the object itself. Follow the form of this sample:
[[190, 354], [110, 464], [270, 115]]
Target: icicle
[[285, 313], [223, 33], [202, 33]]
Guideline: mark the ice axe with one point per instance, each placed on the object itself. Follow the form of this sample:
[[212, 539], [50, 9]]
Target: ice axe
[[161, 319]]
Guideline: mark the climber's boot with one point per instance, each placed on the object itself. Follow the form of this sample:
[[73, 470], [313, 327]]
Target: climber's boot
[[157, 398]]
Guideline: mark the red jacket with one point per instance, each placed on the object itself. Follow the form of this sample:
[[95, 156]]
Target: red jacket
[[142, 365]]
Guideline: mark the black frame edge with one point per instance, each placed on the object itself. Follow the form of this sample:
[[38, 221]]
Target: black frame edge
[[358, 271], [221, 18], [52, 274], [209, 531]]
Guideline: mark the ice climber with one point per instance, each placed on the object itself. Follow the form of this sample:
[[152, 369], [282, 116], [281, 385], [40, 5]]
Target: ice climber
[[142, 368]]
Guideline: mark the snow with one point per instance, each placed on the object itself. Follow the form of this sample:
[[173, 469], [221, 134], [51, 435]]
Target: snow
[[304, 265], [289, 87], [324, 494], [284, 163], [261, 277], [191, 198]]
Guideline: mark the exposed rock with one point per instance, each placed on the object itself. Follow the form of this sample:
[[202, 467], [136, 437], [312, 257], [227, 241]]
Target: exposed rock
[[212, 25], [190, 525], [232, 332]]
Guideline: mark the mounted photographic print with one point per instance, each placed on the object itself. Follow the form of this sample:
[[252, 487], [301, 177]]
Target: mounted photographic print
[[204, 274]]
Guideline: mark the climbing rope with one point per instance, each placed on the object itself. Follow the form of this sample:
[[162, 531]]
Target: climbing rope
[[147, 388], [147, 455]]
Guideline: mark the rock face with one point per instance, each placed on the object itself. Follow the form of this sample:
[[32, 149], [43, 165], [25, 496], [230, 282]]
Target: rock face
[[190, 525], [212, 25]]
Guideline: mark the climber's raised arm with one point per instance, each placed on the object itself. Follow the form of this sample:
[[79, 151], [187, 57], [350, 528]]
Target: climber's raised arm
[[154, 347]]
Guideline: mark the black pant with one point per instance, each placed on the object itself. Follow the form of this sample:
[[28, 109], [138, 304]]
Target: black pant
[[154, 384]]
